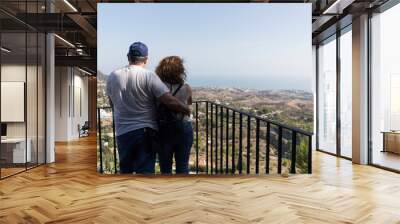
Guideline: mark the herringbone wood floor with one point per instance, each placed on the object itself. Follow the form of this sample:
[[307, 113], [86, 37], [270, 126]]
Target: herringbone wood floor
[[70, 191]]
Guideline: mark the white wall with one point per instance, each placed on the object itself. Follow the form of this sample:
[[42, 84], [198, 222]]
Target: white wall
[[80, 109], [33, 127], [14, 72], [70, 84], [62, 81]]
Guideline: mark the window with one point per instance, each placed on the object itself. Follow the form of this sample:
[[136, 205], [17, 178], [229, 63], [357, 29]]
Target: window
[[346, 94], [22, 77], [385, 88], [394, 102], [327, 96]]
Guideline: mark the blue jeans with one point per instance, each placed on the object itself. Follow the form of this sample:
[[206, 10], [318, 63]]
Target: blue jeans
[[178, 147], [136, 151]]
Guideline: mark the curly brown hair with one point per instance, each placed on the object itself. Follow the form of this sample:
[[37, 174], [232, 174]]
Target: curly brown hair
[[171, 70]]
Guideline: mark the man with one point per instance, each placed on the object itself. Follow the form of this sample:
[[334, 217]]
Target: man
[[133, 91]]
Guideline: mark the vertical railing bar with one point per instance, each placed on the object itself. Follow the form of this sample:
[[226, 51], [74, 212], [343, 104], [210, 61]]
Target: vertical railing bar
[[257, 145], [248, 145], [227, 142], [100, 142], [207, 137], [216, 138], [280, 150], [294, 143], [309, 154], [211, 139], [221, 157], [197, 138], [37, 93], [233, 141], [219, 168], [267, 148], [114, 142], [25, 89], [240, 143]]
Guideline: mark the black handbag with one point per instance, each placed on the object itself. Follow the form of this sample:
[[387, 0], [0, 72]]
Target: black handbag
[[170, 123]]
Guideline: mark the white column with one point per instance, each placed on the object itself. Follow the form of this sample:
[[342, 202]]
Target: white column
[[50, 94], [360, 90], [314, 89]]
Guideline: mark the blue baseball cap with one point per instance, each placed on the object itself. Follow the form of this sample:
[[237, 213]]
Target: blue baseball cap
[[138, 49]]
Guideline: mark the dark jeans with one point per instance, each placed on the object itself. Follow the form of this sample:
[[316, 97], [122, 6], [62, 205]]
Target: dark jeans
[[180, 148], [136, 151]]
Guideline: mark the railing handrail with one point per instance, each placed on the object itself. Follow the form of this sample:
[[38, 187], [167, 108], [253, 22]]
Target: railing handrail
[[284, 126], [214, 143]]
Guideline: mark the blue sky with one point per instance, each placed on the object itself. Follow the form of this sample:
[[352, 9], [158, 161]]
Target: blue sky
[[260, 46]]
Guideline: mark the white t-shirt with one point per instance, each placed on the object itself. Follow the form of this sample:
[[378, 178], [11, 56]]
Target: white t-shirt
[[133, 91]]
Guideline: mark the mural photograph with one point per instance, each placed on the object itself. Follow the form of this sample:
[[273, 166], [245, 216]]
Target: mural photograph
[[204, 88]]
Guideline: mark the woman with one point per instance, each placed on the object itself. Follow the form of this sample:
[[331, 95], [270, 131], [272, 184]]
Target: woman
[[172, 72]]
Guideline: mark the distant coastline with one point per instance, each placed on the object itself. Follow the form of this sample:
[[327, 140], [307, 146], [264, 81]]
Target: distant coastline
[[212, 82], [290, 106]]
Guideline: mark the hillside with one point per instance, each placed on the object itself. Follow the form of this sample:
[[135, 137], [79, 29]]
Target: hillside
[[293, 107]]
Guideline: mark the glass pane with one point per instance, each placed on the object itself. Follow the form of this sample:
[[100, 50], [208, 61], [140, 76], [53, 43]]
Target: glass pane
[[32, 88], [386, 89], [346, 93], [14, 153], [327, 96], [31, 97], [41, 98]]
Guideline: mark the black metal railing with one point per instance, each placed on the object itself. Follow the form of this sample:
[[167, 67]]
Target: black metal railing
[[257, 145]]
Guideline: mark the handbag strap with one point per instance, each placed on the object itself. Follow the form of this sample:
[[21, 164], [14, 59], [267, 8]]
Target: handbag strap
[[177, 89]]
